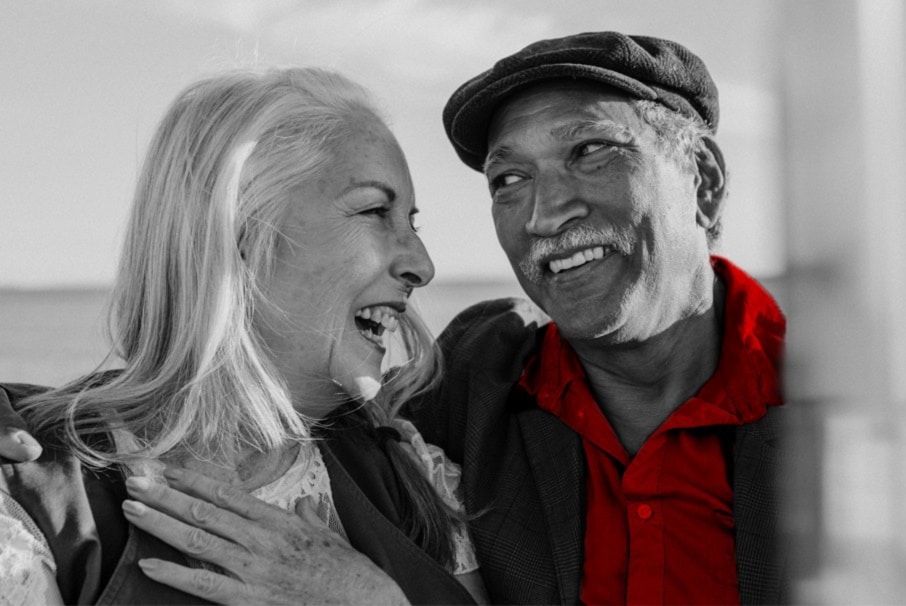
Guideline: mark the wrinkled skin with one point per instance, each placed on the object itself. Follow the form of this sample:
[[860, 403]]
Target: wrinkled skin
[[566, 155], [270, 556], [347, 243]]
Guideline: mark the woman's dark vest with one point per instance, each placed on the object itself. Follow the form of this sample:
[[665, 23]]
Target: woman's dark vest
[[96, 549]]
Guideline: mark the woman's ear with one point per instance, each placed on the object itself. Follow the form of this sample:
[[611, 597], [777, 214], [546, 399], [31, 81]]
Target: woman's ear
[[712, 186]]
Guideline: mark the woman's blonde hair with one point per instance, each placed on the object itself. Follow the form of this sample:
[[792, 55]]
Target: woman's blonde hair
[[200, 242]]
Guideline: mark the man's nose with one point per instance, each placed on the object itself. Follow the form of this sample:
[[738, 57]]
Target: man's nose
[[556, 203], [413, 265]]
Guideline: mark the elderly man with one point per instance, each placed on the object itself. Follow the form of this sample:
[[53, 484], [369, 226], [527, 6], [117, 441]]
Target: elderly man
[[624, 452]]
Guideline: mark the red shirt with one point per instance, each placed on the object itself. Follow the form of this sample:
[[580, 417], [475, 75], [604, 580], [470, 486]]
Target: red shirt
[[659, 525]]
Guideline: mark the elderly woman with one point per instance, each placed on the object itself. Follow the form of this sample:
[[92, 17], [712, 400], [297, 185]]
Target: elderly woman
[[267, 267]]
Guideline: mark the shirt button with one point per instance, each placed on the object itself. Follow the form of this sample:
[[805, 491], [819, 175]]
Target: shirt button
[[644, 511]]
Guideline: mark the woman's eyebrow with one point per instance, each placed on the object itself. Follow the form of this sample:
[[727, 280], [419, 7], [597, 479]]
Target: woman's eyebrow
[[388, 191]]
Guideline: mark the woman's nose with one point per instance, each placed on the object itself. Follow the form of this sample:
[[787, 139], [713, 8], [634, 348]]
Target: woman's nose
[[414, 265]]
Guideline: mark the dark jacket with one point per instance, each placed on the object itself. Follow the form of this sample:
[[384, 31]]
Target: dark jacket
[[525, 469], [96, 549]]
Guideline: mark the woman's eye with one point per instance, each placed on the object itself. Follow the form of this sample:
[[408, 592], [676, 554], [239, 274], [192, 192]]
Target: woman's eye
[[589, 148], [377, 211]]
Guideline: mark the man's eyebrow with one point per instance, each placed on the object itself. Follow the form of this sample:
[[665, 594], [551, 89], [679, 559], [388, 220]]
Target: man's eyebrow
[[388, 191], [570, 132], [498, 154], [580, 128]]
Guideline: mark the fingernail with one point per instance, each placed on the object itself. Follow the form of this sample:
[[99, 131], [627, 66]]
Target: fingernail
[[172, 473], [134, 507], [138, 483], [148, 565]]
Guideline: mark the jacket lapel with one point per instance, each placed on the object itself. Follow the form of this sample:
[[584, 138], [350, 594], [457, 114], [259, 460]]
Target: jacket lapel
[[757, 506], [557, 466], [372, 533]]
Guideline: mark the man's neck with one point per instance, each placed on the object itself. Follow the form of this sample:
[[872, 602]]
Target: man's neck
[[639, 384]]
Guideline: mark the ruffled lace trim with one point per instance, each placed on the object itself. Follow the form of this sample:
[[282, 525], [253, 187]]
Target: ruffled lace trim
[[445, 476], [307, 477], [27, 568]]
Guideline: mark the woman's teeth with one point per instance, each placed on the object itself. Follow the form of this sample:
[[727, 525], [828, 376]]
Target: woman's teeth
[[372, 322], [579, 258]]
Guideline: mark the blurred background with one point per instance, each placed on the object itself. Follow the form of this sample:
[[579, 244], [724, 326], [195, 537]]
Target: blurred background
[[813, 127]]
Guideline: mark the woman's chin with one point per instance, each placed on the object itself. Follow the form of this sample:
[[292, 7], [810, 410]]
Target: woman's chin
[[363, 387], [357, 371]]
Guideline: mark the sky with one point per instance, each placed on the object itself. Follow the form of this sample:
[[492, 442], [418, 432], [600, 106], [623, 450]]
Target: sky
[[83, 84]]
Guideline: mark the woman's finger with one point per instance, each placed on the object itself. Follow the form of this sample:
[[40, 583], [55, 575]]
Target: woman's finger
[[201, 583], [192, 511], [220, 494], [194, 542], [305, 509]]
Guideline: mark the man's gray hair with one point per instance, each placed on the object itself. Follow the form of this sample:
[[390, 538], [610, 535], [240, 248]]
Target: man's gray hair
[[681, 137]]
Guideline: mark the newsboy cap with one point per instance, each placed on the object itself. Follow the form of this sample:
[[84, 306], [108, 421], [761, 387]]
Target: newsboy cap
[[640, 66]]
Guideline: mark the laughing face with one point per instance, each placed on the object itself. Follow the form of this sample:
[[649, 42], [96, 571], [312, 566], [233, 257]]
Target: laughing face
[[599, 223], [347, 259]]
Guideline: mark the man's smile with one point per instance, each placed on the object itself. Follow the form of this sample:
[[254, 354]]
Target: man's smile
[[578, 258]]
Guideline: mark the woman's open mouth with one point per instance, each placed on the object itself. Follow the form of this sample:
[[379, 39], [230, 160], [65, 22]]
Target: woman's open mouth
[[373, 321]]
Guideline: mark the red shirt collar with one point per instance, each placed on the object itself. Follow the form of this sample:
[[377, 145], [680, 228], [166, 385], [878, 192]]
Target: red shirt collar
[[747, 379]]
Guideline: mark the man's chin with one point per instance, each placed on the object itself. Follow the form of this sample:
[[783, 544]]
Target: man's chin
[[588, 322], [581, 319], [573, 331]]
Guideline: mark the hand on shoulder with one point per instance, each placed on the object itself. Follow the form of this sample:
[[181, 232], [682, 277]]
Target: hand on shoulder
[[16, 444]]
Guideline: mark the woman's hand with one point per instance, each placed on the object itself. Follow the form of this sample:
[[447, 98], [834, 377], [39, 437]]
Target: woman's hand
[[269, 556]]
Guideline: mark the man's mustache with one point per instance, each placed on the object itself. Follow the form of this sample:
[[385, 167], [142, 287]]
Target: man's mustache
[[580, 236]]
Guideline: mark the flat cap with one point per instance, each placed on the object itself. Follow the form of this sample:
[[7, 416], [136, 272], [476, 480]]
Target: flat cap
[[643, 67]]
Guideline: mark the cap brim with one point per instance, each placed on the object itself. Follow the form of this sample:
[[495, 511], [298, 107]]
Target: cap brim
[[479, 100]]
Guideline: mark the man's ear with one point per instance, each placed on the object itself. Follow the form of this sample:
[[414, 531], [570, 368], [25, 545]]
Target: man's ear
[[712, 186]]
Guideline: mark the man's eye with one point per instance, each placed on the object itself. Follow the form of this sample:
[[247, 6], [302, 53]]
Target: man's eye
[[504, 180], [589, 148]]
